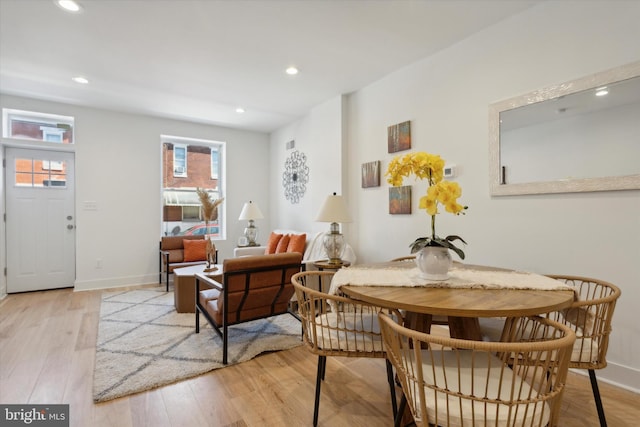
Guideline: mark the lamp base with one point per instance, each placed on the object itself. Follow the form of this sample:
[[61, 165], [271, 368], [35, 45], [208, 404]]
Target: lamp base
[[251, 233], [334, 244]]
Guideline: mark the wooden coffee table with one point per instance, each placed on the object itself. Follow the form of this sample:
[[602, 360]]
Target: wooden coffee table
[[184, 286]]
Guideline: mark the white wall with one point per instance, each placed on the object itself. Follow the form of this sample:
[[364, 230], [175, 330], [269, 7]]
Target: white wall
[[446, 97], [3, 278], [118, 167], [320, 137]]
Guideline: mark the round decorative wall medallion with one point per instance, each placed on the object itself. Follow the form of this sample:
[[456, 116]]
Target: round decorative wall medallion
[[295, 176]]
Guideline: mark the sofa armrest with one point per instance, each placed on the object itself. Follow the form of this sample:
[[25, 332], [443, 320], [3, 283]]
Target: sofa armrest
[[249, 251]]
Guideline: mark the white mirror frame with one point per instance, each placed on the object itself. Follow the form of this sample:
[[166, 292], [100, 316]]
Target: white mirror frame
[[627, 182]]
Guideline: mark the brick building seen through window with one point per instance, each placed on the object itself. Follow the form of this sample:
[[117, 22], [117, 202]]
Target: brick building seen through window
[[26, 125], [200, 168]]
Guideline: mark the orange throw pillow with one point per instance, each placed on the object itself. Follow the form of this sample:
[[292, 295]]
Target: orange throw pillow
[[272, 244], [195, 250], [283, 244], [297, 243]]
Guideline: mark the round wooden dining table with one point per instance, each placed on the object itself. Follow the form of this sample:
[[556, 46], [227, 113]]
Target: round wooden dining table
[[462, 306], [463, 302]]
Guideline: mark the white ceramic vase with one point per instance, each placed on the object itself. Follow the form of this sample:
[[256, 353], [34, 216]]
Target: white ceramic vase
[[434, 262]]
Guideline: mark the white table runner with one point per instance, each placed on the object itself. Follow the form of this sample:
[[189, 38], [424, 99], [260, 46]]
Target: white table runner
[[459, 278]]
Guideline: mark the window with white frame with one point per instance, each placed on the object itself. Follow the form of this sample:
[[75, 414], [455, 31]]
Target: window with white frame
[[179, 160], [181, 205], [215, 162], [35, 126]]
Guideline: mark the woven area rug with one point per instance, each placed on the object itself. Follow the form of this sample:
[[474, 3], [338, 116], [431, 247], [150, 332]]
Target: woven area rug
[[144, 343]]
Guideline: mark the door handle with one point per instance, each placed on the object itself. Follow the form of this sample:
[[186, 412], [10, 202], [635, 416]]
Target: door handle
[[69, 226]]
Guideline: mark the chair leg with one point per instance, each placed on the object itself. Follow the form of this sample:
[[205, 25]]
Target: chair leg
[[392, 388], [596, 396], [403, 405], [225, 344], [322, 363], [160, 265], [324, 368]]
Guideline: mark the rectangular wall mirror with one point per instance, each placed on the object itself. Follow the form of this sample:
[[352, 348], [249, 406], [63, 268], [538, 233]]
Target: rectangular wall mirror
[[582, 135]]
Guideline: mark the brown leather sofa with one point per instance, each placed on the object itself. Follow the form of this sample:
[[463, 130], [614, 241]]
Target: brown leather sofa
[[172, 255], [253, 287]]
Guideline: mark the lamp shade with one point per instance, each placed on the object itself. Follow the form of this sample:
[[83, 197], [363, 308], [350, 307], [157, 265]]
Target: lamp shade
[[250, 211], [334, 209]]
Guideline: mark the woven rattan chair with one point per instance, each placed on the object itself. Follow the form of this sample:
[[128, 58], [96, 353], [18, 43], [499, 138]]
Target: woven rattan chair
[[590, 318], [453, 382], [337, 326]]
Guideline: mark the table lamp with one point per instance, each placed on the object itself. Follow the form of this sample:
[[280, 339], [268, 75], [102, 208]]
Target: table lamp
[[251, 212], [334, 211]]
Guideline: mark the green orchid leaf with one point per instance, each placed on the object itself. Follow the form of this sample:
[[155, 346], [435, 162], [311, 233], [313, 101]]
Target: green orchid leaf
[[423, 242], [458, 251], [454, 237], [419, 243]]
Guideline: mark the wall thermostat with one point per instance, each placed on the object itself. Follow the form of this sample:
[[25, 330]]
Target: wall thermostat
[[449, 171]]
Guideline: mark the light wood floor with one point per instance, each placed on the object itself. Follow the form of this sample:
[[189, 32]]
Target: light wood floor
[[47, 349]]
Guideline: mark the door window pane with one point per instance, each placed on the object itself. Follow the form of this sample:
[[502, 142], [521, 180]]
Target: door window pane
[[40, 173]]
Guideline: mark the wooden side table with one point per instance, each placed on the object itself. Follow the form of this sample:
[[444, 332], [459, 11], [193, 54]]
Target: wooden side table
[[184, 286], [326, 265]]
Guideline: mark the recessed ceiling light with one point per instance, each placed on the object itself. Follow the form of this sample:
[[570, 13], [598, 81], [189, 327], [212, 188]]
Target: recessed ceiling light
[[80, 79], [292, 71], [602, 91], [239, 110], [69, 5]]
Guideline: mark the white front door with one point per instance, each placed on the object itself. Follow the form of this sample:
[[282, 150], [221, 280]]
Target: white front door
[[40, 219]]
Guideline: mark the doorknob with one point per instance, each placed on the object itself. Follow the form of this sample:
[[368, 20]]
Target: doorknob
[[70, 226], [69, 217]]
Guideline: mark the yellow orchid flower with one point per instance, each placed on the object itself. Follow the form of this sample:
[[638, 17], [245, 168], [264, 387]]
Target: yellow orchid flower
[[430, 167]]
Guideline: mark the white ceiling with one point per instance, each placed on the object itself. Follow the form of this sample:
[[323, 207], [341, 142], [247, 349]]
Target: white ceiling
[[200, 59]]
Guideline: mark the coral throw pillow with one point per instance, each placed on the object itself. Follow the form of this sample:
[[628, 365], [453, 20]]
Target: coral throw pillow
[[272, 244], [195, 250], [283, 244], [297, 243]]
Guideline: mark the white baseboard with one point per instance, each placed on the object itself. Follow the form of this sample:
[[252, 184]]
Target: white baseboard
[[616, 375], [116, 282]]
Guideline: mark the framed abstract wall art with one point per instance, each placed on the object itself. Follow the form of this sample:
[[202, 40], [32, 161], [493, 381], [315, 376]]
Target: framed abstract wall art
[[371, 174], [400, 200], [399, 137]]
